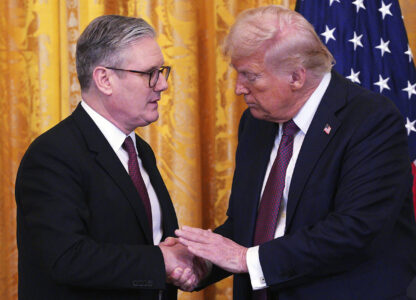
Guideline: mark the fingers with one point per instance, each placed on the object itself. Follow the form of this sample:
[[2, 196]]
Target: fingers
[[189, 235], [175, 276], [196, 234], [170, 241], [213, 247], [185, 279], [221, 251], [204, 251], [202, 243], [189, 279], [184, 241], [196, 231]]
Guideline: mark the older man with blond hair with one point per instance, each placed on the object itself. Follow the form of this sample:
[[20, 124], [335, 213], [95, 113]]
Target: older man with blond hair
[[321, 201]]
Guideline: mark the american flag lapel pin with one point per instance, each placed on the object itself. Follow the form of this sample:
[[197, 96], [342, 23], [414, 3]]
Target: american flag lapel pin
[[327, 129]]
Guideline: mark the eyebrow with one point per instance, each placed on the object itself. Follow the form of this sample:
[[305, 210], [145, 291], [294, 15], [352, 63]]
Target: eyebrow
[[155, 67], [243, 69], [151, 69]]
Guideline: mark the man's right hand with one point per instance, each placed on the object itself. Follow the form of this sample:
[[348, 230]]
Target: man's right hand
[[183, 269]]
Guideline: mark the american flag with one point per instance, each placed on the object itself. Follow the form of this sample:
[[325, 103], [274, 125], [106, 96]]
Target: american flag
[[369, 43]]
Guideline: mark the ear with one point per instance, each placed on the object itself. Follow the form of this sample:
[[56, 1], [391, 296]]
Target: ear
[[101, 78], [297, 79]]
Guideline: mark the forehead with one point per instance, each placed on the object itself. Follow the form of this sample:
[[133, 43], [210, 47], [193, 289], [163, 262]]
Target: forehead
[[253, 63], [144, 53]]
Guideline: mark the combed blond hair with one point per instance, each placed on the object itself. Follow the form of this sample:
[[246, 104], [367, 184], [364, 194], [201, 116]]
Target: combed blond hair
[[286, 37]]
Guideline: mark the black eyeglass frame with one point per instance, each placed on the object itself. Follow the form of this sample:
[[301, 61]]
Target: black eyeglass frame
[[158, 71]]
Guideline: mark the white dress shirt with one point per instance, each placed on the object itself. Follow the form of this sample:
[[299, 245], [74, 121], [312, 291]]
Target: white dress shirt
[[115, 138], [303, 120]]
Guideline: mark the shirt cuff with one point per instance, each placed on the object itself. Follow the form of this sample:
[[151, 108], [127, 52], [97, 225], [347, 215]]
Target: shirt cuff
[[254, 269]]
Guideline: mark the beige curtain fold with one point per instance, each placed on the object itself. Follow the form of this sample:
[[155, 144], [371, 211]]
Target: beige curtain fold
[[196, 135]]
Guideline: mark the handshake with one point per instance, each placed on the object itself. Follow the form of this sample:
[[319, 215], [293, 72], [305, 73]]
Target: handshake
[[187, 258]]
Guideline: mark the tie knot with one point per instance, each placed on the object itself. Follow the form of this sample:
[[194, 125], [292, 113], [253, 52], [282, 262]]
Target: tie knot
[[290, 128], [129, 146]]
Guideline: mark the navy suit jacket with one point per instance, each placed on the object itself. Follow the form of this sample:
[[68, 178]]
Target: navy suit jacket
[[350, 229], [82, 230]]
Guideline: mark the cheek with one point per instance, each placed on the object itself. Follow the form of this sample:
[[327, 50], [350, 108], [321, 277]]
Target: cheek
[[139, 97], [280, 95]]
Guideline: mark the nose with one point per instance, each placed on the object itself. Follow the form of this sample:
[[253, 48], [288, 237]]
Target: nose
[[240, 88], [161, 84]]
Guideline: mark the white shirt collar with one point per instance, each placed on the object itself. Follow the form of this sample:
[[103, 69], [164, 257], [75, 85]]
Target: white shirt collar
[[303, 118], [112, 133]]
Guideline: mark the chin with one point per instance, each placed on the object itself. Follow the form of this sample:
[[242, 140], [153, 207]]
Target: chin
[[255, 113], [147, 119], [153, 118]]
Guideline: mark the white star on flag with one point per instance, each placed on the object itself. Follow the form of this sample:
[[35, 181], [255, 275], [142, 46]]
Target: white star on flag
[[332, 1], [328, 34], [410, 126], [356, 40], [382, 83], [354, 76], [359, 4], [367, 24], [409, 52], [384, 46], [411, 89], [385, 9]]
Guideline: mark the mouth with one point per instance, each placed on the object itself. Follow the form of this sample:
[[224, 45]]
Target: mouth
[[154, 102], [248, 102]]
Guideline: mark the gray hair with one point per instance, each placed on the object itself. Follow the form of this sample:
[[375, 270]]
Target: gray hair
[[288, 39], [103, 40]]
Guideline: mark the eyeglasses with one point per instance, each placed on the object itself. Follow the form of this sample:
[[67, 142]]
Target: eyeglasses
[[153, 75]]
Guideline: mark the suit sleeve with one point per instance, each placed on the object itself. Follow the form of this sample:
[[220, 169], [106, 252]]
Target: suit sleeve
[[373, 184], [52, 211]]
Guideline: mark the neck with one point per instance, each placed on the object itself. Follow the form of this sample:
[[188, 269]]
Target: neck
[[302, 95], [97, 104]]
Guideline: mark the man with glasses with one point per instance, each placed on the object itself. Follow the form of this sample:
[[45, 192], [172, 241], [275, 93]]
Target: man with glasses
[[92, 208]]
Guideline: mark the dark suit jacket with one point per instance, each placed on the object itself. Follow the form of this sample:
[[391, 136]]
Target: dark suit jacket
[[350, 230], [82, 230], [411, 290]]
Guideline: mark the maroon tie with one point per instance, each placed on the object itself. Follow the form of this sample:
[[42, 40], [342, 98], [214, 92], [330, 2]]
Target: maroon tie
[[136, 177], [273, 193]]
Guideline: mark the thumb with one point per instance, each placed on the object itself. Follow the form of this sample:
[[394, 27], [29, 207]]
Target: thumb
[[169, 241]]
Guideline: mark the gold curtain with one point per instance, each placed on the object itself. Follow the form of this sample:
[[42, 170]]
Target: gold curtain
[[195, 137]]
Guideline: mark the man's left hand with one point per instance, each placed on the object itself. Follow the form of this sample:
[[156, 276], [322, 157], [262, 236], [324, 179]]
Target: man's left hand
[[221, 251]]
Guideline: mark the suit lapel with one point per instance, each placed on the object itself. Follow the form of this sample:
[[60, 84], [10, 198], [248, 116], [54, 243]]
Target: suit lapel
[[109, 161], [315, 142], [257, 158], [170, 222]]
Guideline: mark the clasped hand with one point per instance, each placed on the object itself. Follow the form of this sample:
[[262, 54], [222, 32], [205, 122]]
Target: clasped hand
[[185, 257], [183, 268]]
